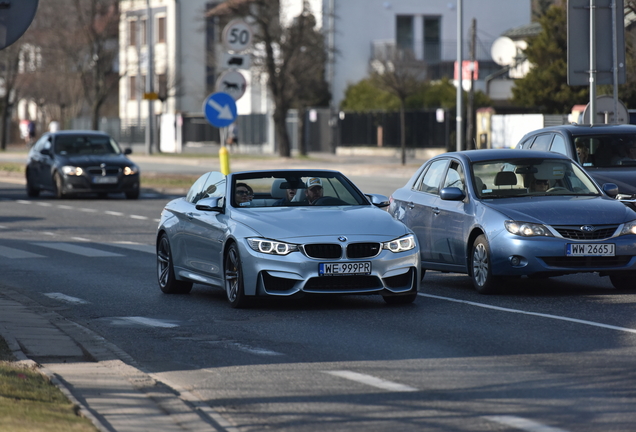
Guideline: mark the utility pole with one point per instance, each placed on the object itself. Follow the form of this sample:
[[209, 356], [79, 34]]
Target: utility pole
[[470, 117], [150, 75], [460, 81]]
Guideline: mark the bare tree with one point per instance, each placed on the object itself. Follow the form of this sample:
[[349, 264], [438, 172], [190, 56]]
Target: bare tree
[[9, 58], [399, 74], [286, 52]]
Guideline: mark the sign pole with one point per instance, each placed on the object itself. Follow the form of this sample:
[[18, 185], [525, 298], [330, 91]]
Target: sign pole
[[615, 61], [592, 62], [460, 76]]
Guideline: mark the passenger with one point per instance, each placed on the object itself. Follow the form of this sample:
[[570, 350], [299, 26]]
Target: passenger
[[314, 190], [243, 194], [289, 195], [626, 153], [583, 152]]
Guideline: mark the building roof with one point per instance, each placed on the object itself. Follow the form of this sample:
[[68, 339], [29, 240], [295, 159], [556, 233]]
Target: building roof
[[524, 31]]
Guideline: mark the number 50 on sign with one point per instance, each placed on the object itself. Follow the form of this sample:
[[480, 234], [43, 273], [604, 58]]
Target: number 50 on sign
[[237, 36]]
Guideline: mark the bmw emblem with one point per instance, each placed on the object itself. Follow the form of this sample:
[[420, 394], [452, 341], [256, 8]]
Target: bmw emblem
[[342, 239], [587, 228]]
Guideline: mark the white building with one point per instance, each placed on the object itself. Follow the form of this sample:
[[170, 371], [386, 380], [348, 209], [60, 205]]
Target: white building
[[187, 47]]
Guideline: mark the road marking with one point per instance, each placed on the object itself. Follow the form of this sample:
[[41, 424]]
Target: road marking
[[151, 249], [255, 350], [17, 253], [113, 213], [65, 207], [80, 239], [48, 233], [149, 322], [79, 250], [542, 315], [65, 298], [23, 202], [45, 204], [523, 424], [138, 217], [87, 210], [372, 381], [3, 227]]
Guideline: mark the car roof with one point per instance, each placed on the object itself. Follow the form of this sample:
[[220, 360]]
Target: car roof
[[271, 173], [78, 132], [497, 154], [586, 129]]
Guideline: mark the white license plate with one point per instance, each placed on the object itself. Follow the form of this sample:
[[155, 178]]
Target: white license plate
[[105, 180], [344, 268], [590, 249]]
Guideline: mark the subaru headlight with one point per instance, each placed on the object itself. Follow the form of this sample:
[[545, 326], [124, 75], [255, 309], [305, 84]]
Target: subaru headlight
[[271, 247], [629, 228], [401, 244], [527, 229], [72, 170], [130, 170]]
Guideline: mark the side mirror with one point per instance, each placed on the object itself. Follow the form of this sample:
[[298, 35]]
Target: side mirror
[[127, 151], [45, 152], [210, 204], [378, 200], [452, 194], [610, 189]]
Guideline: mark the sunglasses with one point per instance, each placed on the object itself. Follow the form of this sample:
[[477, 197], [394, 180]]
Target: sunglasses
[[244, 192]]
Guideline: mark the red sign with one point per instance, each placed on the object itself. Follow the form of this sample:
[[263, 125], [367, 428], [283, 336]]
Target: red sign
[[467, 67]]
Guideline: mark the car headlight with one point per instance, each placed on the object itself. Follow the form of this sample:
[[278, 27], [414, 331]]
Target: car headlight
[[271, 247], [527, 229], [72, 170], [400, 244], [629, 228], [130, 170]]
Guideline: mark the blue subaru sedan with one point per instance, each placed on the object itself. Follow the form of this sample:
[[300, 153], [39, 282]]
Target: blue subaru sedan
[[497, 214]]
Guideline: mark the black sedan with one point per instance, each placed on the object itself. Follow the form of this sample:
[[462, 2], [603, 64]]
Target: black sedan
[[77, 162]]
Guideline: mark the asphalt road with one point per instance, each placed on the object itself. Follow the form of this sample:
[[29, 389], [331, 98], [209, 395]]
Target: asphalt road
[[551, 355]]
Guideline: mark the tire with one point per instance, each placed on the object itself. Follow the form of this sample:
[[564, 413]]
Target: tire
[[31, 190], [165, 270], [401, 299], [132, 194], [623, 281], [234, 288], [481, 269], [59, 185]]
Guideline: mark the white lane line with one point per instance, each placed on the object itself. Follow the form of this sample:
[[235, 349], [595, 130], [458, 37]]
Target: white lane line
[[87, 210], [23, 202], [113, 213], [45, 204], [138, 217], [157, 220], [79, 250], [65, 298], [80, 239], [49, 233], [372, 381], [555, 317], [17, 253], [523, 424], [255, 350], [3, 227], [151, 249], [149, 322], [65, 207]]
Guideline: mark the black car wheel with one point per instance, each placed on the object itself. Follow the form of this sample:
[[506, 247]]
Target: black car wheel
[[624, 281], [481, 270], [132, 194], [31, 189], [59, 185], [234, 278], [165, 270]]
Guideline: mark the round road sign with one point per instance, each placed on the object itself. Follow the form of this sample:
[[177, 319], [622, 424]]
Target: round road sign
[[219, 109], [232, 82], [237, 36]]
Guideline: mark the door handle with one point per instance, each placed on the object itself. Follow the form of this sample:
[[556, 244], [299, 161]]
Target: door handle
[[410, 205], [436, 210], [190, 215]]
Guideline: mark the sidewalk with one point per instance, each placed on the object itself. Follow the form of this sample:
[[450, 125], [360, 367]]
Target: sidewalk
[[101, 380]]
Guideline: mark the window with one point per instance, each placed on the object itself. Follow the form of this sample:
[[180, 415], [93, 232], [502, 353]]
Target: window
[[161, 30], [132, 33], [433, 177], [542, 142], [144, 32], [432, 39], [404, 32], [455, 176], [132, 88], [558, 145]]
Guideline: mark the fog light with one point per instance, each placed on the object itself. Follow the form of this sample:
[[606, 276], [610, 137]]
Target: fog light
[[515, 260]]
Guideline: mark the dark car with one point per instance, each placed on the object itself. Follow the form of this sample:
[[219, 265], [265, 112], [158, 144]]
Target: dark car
[[78, 162], [607, 152]]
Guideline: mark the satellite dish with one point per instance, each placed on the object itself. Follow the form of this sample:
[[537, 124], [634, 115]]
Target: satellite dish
[[605, 112], [504, 51]]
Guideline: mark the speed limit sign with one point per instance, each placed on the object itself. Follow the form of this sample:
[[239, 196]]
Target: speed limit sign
[[237, 36]]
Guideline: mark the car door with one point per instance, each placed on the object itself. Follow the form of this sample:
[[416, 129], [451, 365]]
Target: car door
[[419, 212], [449, 220], [205, 231], [46, 162]]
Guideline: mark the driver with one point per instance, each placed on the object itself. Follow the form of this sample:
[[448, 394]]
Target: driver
[[538, 185], [314, 190]]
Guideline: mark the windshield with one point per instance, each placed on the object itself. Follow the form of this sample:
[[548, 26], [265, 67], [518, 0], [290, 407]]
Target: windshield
[[294, 189], [529, 177], [72, 145], [606, 150]]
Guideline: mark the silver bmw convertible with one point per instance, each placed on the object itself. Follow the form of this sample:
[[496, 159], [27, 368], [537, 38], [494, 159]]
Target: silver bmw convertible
[[285, 233]]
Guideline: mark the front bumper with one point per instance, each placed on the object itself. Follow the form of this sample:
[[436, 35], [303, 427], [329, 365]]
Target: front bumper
[[86, 184]]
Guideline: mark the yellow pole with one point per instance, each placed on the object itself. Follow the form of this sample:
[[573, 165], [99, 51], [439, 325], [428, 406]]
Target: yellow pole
[[224, 160]]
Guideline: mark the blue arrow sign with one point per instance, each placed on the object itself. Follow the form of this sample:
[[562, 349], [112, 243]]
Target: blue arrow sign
[[220, 109]]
